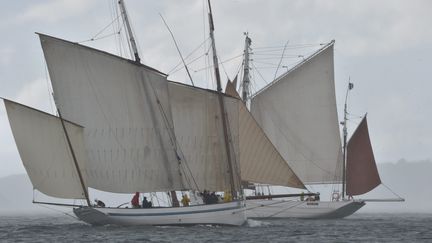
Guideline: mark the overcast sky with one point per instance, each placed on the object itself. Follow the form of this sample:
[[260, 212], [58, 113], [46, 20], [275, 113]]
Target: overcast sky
[[385, 46]]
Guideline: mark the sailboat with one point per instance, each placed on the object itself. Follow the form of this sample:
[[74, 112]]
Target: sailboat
[[122, 127], [298, 113]]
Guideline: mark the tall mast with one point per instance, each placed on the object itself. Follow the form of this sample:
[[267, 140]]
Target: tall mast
[[345, 135], [221, 103], [246, 80], [74, 159], [129, 31]]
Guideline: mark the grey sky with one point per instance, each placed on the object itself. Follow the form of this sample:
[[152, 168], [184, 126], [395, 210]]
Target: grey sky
[[385, 46]]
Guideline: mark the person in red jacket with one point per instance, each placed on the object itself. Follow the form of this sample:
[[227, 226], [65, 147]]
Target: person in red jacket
[[135, 200]]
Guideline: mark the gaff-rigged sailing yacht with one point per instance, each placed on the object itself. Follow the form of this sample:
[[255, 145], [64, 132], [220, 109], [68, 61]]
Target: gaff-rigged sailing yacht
[[123, 128], [298, 113]]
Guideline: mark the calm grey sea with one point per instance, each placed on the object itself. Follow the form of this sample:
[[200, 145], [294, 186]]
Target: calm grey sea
[[357, 228]]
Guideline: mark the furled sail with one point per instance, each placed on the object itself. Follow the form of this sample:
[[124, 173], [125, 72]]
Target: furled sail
[[361, 172], [199, 133], [44, 150], [298, 113], [125, 110]]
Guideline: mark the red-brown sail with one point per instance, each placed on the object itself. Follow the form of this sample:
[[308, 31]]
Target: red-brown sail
[[361, 172]]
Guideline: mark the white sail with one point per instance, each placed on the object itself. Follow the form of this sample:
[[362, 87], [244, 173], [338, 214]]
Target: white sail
[[125, 110], [44, 150], [198, 128], [260, 161], [199, 133], [298, 113]]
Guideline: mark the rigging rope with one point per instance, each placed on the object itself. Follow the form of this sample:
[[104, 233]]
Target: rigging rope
[[221, 62], [178, 49], [193, 60], [190, 54], [394, 193], [100, 32], [59, 211]]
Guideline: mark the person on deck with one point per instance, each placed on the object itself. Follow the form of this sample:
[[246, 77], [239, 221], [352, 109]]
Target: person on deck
[[146, 204], [135, 200], [205, 196], [185, 200], [227, 196], [99, 203]]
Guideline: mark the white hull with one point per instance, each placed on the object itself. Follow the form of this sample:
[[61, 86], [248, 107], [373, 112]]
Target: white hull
[[232, 213], [301, 209]]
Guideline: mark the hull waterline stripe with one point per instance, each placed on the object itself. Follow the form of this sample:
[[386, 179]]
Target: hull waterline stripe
[[174, 213]]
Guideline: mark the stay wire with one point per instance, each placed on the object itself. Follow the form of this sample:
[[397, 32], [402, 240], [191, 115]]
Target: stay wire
[[190, 62], [101, 31], [178, 50], [222, 62], [394, 193], [189, 55]]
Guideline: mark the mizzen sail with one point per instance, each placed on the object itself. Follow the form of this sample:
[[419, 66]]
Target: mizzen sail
[[298, 113], [362, 173], [44, 151]]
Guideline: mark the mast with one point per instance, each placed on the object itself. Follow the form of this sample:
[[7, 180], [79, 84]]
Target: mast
[[129, 31], [221, 103], [246, 80], [345, 135], [74, 159]]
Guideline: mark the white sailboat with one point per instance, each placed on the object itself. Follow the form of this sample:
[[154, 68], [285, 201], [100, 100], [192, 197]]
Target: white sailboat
[[298, 113], [122, 127]]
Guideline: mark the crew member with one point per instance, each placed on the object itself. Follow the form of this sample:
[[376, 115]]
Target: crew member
[[185, 200], [146, 204], [135, 200]]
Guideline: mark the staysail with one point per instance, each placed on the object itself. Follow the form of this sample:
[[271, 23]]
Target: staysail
[[361, 173], [44, 151], [125, 110], [260, 161], [201, 142], [298, 113]]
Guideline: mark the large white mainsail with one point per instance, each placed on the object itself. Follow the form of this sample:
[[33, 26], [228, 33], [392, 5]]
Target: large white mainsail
[[44, 150], [125, 110], [298, 113], [200, 136]]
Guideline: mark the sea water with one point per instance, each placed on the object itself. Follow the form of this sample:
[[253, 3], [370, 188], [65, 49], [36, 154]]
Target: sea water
[[356, 228]]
